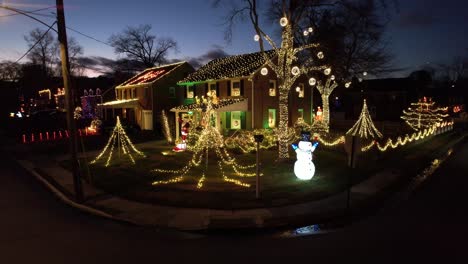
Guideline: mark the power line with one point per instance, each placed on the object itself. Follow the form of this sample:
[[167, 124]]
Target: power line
[[37, 42], [83, 34], [30, 12]]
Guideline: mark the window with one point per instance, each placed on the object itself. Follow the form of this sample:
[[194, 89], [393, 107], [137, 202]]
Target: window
[[171, 92], [235, 88], [272, 88], [212, 88], [236, 120], [133, 93], [190, 92], [271, 118], [124, 94], [300, 90]]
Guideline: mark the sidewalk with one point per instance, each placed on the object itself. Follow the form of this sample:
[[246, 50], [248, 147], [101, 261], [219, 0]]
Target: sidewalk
[[60, 182]]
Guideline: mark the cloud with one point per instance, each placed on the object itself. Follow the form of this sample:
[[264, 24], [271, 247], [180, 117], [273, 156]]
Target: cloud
[[416, 19], [214, 53]]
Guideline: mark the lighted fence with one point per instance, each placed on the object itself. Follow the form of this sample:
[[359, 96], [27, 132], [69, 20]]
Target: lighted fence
[[399, 141], [54, 135]]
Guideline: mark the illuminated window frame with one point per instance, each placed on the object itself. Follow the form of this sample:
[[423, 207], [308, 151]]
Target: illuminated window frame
[[212, 88], [190, 92], [271, 118], [272, 87], [233, 89]]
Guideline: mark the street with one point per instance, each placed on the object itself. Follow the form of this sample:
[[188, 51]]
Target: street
[[430, 226]]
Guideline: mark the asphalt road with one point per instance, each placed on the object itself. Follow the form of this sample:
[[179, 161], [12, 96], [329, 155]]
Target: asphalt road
[[430, 227]]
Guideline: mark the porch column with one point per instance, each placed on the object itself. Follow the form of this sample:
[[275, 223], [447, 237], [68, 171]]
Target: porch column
[[177, 125]]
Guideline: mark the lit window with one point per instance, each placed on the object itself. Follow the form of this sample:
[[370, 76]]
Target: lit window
[[236, 120], [212, 88], [272, 88], [300, 90], [190, 92], [271, 118], [235, 88], [300, 112], [133, 93]]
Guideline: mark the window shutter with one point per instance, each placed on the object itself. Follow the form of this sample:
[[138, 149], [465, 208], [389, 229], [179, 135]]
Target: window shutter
[[242, 87], [243, 120], [217, 89], [228, 120], [229, 90]]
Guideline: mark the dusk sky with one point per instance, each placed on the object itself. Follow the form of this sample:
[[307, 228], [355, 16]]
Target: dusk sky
[[420, 32]]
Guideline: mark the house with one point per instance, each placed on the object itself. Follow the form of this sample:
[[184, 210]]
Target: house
[[141, 99], [247, 91]]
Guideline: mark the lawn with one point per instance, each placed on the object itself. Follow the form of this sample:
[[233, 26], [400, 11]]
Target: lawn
[[279, 186]]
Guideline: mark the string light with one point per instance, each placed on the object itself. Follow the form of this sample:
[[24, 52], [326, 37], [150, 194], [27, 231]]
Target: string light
[[364, 127], [118, 137], [423, 114], [209, 139], [325, 91], [399, 141], [166, 129]]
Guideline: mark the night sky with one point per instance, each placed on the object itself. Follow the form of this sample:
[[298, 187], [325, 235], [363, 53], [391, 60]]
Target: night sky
[[420, 32]]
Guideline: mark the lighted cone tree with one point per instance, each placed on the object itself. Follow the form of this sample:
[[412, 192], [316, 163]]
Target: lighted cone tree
[[210, 140], [325, 90], [423, 114], [120, 139], [287, 70], [364, 127]]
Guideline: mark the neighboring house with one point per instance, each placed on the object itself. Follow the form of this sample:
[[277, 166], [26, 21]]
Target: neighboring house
[[141, 99], [248, 99]]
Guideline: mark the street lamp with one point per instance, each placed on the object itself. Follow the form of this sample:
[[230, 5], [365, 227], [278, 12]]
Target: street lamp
[[62, 37]]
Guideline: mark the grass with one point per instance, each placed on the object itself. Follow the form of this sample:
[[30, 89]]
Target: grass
[[279, 185]]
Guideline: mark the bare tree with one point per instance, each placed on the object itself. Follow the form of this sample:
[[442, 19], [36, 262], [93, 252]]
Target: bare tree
[[43, 49], [138, 44], [10, 71]]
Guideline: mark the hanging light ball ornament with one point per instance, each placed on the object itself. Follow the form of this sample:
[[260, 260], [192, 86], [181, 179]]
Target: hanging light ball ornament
[[306, 33], [320, 55], [312, 81], [310, 29], [256, 37], [327, 71], [264, 71], [298, 89], [283, 21], [364, 73], [295, 70], [332, 77], [347, 84]]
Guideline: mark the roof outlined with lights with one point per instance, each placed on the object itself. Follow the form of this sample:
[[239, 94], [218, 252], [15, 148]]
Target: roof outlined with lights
[[150, 75], [228, 67]]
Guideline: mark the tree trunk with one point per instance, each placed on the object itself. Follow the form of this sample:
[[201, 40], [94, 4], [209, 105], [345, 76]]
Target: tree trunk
[[326, 109], [283, 125]]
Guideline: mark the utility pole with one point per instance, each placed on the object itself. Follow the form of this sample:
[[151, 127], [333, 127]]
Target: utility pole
[[62, 36]]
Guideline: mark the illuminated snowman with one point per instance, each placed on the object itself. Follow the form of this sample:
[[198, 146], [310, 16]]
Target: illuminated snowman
[[304, 168]]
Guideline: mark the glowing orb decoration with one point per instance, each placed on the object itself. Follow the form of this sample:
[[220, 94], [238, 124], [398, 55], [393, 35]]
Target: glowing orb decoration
[[304, 168], [298, 89], [264, 71], [306, 33], [312, 81], [310, 29], [332, 77], [256, 37], [283, 21], [295, 70], [364, 73], [320, 55], [347, 84], [327, 71]]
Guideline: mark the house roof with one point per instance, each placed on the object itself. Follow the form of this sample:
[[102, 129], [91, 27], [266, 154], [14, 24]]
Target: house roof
[[228, 67], [223, 105], [150, 75]]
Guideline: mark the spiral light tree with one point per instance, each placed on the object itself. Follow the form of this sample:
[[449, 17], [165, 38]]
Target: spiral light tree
[[209, 140]]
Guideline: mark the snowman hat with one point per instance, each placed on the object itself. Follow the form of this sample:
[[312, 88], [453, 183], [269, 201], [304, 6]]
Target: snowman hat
[[305, 136]]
